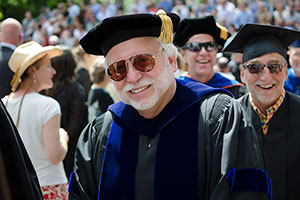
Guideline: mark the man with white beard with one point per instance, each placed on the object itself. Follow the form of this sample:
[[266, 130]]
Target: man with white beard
[[166, 138]]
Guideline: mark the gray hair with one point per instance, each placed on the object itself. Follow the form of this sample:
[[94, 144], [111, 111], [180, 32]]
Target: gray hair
[[169, 48]]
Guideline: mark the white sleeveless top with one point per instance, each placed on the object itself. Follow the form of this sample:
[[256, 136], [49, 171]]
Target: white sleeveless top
[[36, 110]]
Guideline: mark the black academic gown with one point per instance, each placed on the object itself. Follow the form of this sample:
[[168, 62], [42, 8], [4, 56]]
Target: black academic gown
[[18, 179], [225, 140], [281, 146]]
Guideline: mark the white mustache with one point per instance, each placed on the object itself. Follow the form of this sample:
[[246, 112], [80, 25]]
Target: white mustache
[[141, 83]]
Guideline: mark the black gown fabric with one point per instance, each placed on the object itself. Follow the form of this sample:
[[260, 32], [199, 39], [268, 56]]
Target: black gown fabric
[[18, 179], [281, 146], [226, 140]]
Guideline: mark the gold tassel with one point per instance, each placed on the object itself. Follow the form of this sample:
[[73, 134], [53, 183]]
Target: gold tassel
[[166, 32], [223, 32]]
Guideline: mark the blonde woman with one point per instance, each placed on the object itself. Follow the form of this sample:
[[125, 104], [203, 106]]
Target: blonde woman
[[37, 117]]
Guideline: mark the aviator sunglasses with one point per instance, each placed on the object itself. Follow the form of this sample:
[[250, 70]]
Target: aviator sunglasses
[[255, 68], [197, 46], [117, 71]]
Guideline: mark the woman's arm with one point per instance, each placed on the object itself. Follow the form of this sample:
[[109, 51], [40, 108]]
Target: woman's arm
[[55, 140]]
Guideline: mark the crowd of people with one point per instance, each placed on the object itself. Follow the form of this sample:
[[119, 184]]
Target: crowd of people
[[66, 24], [105, 99]]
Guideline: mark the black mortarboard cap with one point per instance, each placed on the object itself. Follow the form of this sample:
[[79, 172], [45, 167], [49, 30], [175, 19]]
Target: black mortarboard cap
[[207, 25], [255, 40], [296, 43], [114, 30]]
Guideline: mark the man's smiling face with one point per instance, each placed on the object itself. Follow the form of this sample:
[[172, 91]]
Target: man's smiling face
[[265, 87]]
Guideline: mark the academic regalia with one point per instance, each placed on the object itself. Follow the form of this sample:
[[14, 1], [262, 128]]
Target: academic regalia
[[292, 84], [201, 145], [255, 40], [281, 146], [282, 142], [219, 81], [202, 25], [207, 25], [18, 179]]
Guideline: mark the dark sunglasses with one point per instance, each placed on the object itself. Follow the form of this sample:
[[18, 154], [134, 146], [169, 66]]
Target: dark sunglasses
[[197, 46], [117, 71], [254, 68]]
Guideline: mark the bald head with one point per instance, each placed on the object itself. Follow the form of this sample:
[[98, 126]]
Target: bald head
[[11, 31]]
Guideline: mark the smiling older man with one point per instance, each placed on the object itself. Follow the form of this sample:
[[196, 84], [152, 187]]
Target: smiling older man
[[167, 138], [273, 111]]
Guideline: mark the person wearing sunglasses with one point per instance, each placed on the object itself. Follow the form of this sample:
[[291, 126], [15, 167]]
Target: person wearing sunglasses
[[272, 110], [199, 40], [292, 84], [166, 138]]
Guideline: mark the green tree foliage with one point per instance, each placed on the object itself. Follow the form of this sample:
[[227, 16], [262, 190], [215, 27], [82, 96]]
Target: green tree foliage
[[17, 8]]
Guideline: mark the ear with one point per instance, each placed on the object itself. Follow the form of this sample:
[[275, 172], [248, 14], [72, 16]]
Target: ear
[[20, 38], [31, 69], [182, 53], [173, 62]]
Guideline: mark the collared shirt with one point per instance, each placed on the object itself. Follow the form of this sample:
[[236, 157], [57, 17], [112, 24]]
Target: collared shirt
[[264, 119], [9, 45]]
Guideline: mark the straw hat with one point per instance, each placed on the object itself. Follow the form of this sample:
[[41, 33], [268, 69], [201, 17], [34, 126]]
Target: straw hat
[[25, 55]]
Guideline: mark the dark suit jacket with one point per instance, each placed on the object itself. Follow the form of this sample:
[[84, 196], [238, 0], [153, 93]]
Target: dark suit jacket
[[5, 72]]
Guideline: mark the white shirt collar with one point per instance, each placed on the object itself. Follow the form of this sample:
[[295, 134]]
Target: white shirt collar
[[9, 45]]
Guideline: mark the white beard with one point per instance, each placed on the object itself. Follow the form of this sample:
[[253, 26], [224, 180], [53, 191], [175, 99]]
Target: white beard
[[160, 86]]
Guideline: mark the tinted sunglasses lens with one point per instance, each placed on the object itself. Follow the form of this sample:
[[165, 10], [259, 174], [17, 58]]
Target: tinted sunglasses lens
[[254, 68], [275, 68], [257, 68], [196, 46], [210, 46], [117, 71], [143, 62]]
